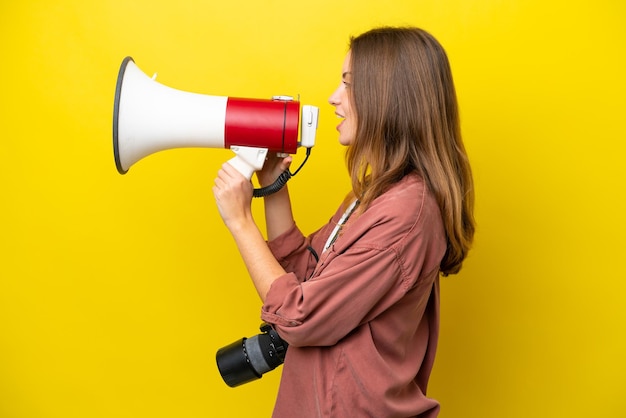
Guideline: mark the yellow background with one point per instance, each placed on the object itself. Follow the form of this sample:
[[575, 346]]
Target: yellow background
[[116, 291]]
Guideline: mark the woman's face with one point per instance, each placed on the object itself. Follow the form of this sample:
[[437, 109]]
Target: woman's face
[[343, 106]]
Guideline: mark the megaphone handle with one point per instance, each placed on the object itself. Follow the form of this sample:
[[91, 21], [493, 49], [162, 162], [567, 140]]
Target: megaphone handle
[[248, 160]]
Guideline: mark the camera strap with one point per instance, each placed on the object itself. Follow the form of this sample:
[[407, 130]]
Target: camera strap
[[344, 218]]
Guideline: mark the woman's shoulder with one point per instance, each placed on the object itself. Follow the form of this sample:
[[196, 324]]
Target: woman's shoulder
[[406, 199], [405, 208]]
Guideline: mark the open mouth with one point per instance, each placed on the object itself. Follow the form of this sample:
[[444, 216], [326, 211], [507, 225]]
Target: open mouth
[[340, 116]]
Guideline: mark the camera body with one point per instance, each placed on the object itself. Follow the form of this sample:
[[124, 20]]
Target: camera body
[[248, 359]]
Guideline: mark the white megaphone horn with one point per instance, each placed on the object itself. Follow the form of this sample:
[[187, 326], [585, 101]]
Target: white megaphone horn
[[149, 117]]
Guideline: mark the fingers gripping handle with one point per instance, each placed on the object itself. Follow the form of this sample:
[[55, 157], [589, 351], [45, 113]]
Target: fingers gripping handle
[[248, 160]]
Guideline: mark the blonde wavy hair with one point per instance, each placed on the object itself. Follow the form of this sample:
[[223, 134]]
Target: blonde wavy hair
[[408, 121]]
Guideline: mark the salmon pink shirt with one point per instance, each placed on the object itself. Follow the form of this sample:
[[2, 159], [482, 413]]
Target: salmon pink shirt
[[362, 322]]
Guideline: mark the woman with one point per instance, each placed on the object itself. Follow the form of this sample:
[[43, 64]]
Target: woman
[[358, 300]]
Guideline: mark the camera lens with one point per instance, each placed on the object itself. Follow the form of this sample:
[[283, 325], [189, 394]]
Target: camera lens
[[248, 359], [234, 365]]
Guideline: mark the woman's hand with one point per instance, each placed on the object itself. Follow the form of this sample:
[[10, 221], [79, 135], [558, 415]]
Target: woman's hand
[[274, 166], [233, 195]]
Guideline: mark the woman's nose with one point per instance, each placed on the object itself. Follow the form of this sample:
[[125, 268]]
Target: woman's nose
[[334, 98]]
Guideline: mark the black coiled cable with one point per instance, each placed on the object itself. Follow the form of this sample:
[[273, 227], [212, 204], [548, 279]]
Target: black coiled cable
[[280, 181], [274, 187]]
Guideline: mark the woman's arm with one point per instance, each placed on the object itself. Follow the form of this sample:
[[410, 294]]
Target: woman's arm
[[260, 262], [278, 213], [233, 195]]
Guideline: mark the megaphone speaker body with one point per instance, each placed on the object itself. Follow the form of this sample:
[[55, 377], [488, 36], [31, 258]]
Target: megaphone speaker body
[[150, 117]]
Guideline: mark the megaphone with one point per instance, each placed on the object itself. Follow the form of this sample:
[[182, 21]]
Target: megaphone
[[149, 117]]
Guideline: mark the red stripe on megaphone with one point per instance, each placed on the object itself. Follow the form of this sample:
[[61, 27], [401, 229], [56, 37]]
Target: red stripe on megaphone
[[259, 123]]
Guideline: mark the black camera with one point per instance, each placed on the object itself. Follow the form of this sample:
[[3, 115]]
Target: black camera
[[248, 359]]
